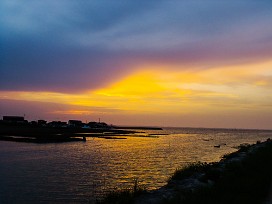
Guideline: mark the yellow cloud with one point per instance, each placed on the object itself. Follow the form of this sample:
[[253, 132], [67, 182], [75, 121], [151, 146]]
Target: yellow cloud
[[158, 90]]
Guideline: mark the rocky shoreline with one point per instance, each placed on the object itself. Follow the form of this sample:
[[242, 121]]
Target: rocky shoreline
[[200, 176], [242, 177]]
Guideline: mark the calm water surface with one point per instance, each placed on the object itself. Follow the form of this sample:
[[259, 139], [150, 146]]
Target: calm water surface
[[79, 172]]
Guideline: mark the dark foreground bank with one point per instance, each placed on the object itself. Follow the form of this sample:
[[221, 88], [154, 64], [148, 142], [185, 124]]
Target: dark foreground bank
[[242, 177]]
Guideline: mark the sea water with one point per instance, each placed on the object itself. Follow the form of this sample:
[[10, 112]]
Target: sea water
[[81, 172]]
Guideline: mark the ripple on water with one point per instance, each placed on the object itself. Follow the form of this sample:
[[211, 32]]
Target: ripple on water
[[77, 172]]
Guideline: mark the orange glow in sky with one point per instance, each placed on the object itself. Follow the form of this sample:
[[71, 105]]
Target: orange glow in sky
[[158, 63], [242, 88]]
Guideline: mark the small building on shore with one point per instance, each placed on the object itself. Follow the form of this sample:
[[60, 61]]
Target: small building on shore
[[14, 119], [57, 124], [75, 123], [100, 125], [42, 122]]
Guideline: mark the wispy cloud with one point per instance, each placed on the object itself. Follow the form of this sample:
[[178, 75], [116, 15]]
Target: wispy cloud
[[68, 46], [189, 60]]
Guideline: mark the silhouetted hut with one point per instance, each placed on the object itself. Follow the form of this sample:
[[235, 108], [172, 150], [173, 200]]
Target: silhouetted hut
[[75, 123], [14, 119]]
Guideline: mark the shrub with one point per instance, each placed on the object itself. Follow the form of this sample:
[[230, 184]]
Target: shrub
[[124, 196]]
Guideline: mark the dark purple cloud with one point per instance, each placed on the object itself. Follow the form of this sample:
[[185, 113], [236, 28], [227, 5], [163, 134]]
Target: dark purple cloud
[[72, 46]]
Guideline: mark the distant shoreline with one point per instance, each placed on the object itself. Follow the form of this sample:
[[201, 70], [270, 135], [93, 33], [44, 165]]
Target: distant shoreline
[[137, 128], [21, 133]]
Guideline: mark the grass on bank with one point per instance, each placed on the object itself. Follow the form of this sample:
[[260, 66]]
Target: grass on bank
[[192, 169], [211, 171], [123, 196], [242, 182]]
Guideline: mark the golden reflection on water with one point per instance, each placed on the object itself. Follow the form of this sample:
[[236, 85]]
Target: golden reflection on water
[[88, 170], [152, 160]]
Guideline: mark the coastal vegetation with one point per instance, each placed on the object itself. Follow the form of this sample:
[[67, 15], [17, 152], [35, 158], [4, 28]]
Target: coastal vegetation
[[17, 129], [241, 177], [124, 196], [44, 134]]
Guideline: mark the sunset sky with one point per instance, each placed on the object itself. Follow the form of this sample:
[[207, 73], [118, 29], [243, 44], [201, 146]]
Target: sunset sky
[[153, 63]]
